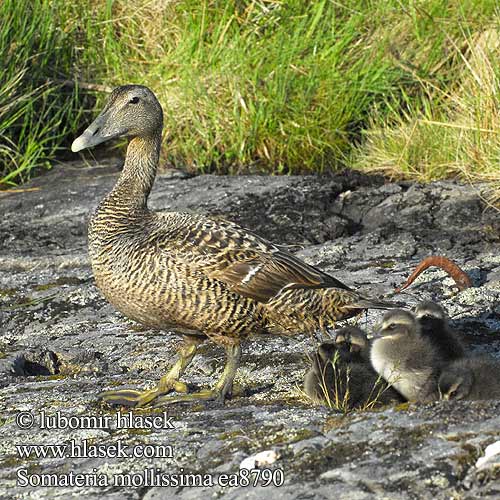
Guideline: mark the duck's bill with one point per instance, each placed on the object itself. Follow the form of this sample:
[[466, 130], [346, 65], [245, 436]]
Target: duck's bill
[[86, 140], [95, 134], [375, 332]]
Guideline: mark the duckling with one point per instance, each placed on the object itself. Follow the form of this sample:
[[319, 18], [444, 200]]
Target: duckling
[[471, 378], [406, 358], [341, 374], [325, 381], [206, 278], [434, 325]]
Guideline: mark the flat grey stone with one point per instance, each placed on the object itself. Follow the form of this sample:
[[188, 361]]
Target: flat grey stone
[[61, 342]]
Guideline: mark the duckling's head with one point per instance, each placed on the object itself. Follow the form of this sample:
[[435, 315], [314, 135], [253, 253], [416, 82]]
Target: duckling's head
[[455, 382], [429, 310], [326, 351], [131, 110], [354, 337], [397, 323]]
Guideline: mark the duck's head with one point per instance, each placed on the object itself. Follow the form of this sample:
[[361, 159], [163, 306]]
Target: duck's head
[[429, 310], [131, 110], [455, 382], [354, 337], [326, 351], [396, 323]]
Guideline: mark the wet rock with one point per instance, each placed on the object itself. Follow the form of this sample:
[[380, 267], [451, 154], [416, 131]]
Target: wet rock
[[61, 343]]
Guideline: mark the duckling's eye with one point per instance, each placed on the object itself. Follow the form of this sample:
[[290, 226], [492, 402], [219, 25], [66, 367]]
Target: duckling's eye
[[391, 326], [134, 100]]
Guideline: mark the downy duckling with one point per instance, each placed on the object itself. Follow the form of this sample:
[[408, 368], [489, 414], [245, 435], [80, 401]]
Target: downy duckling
[[434, 325], [406, 358], [341, 375], [471, 378]]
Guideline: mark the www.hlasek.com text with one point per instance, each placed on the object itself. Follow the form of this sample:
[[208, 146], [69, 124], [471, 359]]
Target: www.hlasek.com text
[[84, 449]]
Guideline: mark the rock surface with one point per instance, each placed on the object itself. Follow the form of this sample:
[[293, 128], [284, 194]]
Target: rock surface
[[61, 343]]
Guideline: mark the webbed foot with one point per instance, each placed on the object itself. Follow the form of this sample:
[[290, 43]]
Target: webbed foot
[[203, 395], [222, 388], [135, 398], [168, 383]]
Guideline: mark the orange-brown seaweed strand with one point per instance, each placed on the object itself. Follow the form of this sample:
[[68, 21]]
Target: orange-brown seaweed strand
[[460, 277]]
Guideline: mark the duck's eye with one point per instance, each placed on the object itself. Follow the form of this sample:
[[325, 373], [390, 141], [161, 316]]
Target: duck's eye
[[134, 100], [391, 326]]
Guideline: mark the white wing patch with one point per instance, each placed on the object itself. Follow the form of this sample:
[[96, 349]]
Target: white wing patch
[[253, 271]]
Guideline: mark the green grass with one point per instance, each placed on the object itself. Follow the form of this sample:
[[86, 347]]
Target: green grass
[[408, 88], [35, 114]]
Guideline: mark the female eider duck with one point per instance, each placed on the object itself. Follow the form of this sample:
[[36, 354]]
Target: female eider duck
[[205, 278]]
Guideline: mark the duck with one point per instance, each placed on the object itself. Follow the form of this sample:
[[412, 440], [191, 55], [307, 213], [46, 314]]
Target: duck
[[319, 379], [205, 278], [406, 358], [342, 377], [474, 378], [434, 325]]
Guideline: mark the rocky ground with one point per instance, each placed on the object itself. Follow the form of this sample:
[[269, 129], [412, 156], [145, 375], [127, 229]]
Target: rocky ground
[[61, 343]]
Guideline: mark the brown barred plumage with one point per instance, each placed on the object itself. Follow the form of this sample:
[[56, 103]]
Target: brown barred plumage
[[206, 278]]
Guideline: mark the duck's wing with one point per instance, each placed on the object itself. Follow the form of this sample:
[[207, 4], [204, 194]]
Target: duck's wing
[[263, 275], [250, 265]]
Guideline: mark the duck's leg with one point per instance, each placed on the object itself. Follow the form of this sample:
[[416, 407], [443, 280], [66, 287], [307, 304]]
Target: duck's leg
[[221, 389], [168, 383]]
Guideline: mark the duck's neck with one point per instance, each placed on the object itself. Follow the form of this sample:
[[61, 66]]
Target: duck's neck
[[136, 180]]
